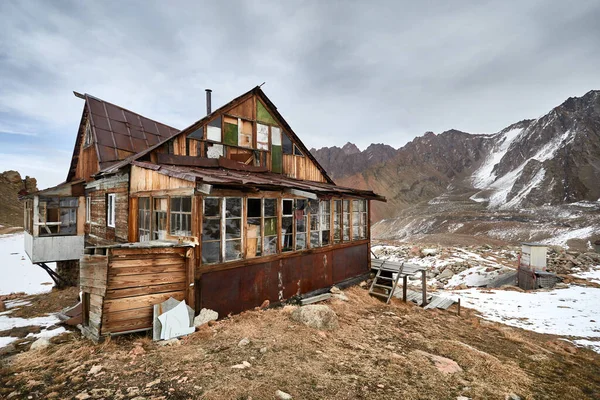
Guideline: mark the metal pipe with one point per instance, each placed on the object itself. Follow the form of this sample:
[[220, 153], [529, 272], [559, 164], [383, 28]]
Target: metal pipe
[[208, 103]]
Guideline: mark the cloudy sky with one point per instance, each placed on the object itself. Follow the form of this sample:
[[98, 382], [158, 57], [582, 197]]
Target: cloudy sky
[[369, 71]]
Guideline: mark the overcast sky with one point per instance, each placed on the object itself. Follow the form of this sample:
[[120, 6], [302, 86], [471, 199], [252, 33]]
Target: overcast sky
[[370, 71]]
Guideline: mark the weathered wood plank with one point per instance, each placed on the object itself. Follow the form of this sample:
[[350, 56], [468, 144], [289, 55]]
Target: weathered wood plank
[[140, 301], [129, 281], [144, 290]]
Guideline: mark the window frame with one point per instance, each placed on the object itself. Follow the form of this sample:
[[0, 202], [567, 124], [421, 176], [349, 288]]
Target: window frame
[[145, 215], [111, 209], [88, 209], [181, 214]]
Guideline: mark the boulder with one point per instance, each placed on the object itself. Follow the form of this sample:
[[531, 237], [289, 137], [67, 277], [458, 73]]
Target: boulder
[[447, 273], [2, 306], [41, 343], [244, 342], [205, 316], [445, 365], [429, 252], [283, 395], [316, 316]]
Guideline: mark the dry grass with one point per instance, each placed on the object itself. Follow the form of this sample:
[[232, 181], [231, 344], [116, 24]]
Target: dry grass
[[372, 355]]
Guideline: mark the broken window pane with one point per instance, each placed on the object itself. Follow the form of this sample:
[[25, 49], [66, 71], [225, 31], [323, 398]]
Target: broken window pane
[[270, 207], [233, 250], [254, 237], [233, 207], [262, 137], [270, 245], [254, 208], [211, 229], [233, 228], [297, 151], [211, 252], [198, 134], [159, 226], [212, 207]]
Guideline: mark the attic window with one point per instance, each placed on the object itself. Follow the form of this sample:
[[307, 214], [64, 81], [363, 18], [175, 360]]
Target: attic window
[[87, 136], [297, 151], [286, 144]]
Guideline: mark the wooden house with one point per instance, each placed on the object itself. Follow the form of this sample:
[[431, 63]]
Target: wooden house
[[226, 213]]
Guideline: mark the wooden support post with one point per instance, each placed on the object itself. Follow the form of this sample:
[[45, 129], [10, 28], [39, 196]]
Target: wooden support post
[[459, 306], [404, 287], [424, 285]]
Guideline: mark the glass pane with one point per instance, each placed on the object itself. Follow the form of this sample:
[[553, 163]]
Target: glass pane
[[254, 208], [355, 218], [325, 206], [325, 221], [337, 206], [355, 205], [270, 226], [300, 241], [68, 202], [262, 137], [270, 245], [288, 206], [286, 144], [314, 222], [287, 224], [233, 250], [212, 207], [211, 229], [233, 207], [186, 204], [211, 252], [346, 205], [233, 228], [287, 243], [325, 237], [175, 203], [355, 234], [314, 239], [301, 224], [270, 207], [346, 233], [337, 235]]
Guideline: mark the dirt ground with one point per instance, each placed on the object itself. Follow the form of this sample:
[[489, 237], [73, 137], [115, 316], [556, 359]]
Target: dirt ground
[[376, 352]]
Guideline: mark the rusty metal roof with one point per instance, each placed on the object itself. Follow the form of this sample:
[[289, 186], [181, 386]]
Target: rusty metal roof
[[120, 133], [229, 178]]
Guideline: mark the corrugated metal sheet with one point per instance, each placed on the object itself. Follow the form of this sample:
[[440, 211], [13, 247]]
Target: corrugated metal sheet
[[218, 176]]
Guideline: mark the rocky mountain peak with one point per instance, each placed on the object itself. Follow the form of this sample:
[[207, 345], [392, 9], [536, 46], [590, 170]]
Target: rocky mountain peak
[[350, 148]]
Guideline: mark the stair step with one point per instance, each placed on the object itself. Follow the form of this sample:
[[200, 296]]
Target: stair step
[[385, 296], [382, 286]]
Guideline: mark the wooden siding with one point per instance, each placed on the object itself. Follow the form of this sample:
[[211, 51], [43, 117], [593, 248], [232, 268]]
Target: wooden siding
[[92, 280], [137, 279], [301, 168], [87, 163], [99, 233], [144, 180]]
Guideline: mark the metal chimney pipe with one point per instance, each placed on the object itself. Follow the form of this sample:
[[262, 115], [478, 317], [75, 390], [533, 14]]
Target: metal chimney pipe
[[208, 104]]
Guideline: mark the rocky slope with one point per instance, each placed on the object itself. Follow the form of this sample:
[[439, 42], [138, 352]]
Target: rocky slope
[[544, 164], [11, 209]]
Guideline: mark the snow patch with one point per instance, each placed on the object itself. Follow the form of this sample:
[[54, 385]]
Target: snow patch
[[485, 174], [565, 236]]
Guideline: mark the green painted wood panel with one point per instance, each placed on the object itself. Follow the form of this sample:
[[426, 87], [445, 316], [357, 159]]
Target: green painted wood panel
[[276, 159], [263, 115], [231, 134]]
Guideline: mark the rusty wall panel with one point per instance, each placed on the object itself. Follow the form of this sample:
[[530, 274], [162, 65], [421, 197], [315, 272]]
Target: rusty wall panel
[[238, 289]]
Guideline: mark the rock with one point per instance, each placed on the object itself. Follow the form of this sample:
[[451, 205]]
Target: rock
[[429, 252], [137, 351], [97, 393], [444, 365], [41, 343], [447, 273], [363, 284], [316, 316], [243, 365], [263, 350], [22, 331], [153, 383], [335, 289], [83, 396], [170, 342], [462, 398], [244, 342], [512, 396], [283, 395], [265, 304], [205, 316], [340, 296], [2, 306], [95, 369], [7, 350]]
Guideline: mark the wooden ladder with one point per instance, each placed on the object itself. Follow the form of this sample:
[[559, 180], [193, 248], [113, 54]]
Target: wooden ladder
[[386, 281]]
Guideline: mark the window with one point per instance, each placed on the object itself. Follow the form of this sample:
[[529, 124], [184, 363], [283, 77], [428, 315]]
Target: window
[[286, 144], [315, 222], [222, 215], [88, 209], [181, 216], [159, 219], [58, 215], [345, 220], [287, 225], [359, 219], [301, 223], [262, 137], [213, 130], [111, 209], [144, 219], [253, 225], [211, 230], [233, 228], [297, 151], [270, 226], [28, 221], [337, 221], [325, 211]]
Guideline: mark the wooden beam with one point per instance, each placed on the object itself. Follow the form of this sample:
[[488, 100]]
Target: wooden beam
[[424, 285], [302, 193]]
